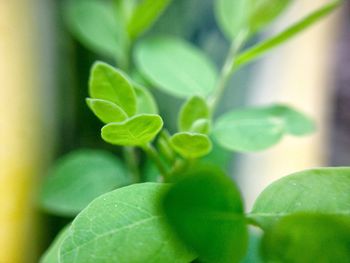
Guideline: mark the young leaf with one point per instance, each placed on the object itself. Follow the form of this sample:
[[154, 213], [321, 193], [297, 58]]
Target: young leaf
[[176, 66], [201, 126], [108, 83], [124, 226], [135, 131], [106, 111], [144, 15], [78, 178], [232, 16], [263, 47], [251, 129], [194, 109], [93, 23], [304, 238], [191, 145], [145, 101], [52, 253], [205, 209], [323, 190]]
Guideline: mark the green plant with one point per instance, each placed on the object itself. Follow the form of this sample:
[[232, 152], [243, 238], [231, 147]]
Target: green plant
[[197, 214]]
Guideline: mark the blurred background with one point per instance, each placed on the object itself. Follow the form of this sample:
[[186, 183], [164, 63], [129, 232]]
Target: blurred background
[[43, 115]]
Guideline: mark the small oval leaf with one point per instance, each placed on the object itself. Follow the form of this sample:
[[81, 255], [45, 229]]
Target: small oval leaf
[[194, 109], [78, 178], [106, 111], [323, 190], [205, 209], [176, 66], [191, 145], [248, 130], [125, 225], [135, 131], [305, 238], [257, 128], [108, 83]]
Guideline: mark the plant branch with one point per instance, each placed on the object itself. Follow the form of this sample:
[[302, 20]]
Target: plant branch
[[226, 71], [153, 154], [132, 163]]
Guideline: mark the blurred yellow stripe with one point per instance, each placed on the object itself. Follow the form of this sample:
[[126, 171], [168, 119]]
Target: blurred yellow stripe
[[19, 126]]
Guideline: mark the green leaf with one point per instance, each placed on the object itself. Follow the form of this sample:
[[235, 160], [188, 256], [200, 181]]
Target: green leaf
[[322, 190], [232, 16], [257, 128], [135, 131], [191, 145], [285, 35], [106, 111], [205, 209], [201, 126], [108, 83], [124, 226], [247, 16], [94, 24], [78, 178], [194, 109], [296, 123], [305, 238], [251, 129], [51, 255], [265, 11], [176, 66], [144, 15], [145, 101]]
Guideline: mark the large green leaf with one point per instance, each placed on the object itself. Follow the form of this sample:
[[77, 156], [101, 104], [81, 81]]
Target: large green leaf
[[305, 238], [94, 24], [205, 209], [106, 111], [124, 226], [108, 83], [232, 16], [145, 101], [322, 190], [194, 109], [135, 131], [144, 15], [176, 66], [78, 178], [51, 255], [257, 128], [191, 145], [285, 35]]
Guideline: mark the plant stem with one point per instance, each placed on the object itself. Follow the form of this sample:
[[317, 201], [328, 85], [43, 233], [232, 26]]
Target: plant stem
[[132, 163], [226, 71], [153, 154]]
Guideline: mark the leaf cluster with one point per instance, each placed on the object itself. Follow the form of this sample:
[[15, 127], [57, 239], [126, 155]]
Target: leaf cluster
[[199, 215]]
